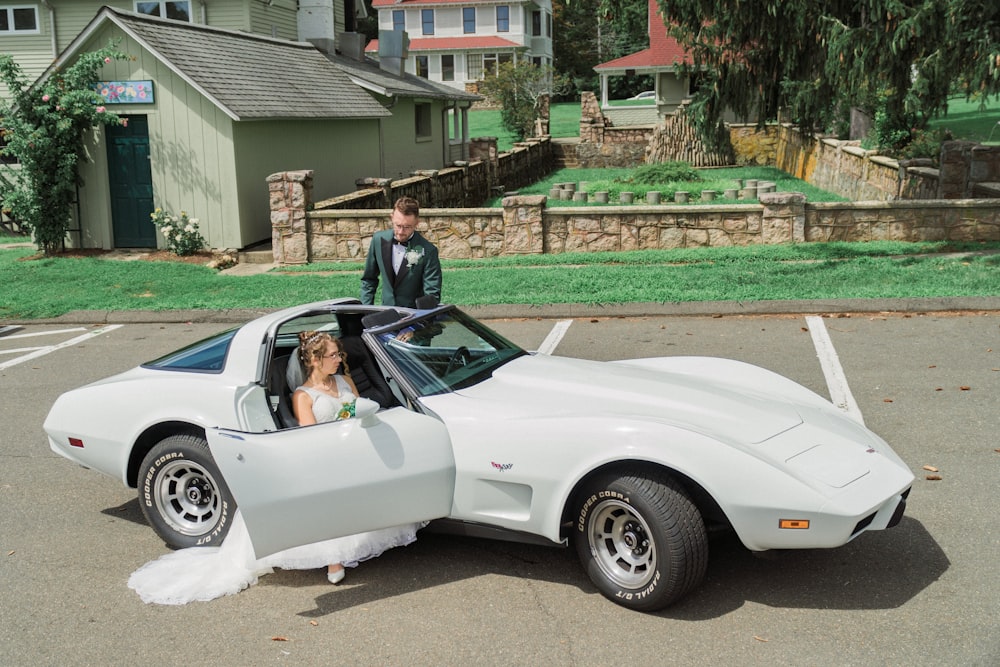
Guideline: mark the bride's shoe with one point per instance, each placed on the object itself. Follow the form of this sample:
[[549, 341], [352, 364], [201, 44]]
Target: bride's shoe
[[337, 576]]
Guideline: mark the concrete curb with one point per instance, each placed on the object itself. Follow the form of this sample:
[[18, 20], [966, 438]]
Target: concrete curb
[[569, 310]]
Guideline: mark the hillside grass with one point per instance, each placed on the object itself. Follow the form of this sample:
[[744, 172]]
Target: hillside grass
[[971, 120]]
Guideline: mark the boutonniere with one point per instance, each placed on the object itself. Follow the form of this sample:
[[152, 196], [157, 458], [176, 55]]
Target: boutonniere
[[414, 255]]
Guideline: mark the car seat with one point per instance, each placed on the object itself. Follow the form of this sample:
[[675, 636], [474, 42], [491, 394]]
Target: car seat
[[365, 372], [279, 384]]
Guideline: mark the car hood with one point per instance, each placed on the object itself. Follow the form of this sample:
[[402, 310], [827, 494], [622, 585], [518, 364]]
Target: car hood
[[723, 403]]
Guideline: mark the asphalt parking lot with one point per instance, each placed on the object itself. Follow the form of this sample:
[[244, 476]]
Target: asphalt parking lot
[[923, 593]]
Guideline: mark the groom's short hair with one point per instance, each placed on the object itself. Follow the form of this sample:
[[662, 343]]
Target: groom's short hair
[[407, 206]]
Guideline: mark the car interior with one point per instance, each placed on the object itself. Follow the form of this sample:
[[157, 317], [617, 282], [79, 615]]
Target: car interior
[[286, 373]]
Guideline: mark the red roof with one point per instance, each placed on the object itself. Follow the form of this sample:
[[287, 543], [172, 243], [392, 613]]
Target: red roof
[[663, 51], [389, 3], [453, 43]]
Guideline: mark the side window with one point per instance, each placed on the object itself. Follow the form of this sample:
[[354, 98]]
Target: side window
[[19, 20], [468, 20], [422, 120], [423, 66], [179, 10], [448, 67], [398, 20], [427, 20]]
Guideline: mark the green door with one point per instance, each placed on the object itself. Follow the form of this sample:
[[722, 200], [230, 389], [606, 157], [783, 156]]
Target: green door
[[131, 184]]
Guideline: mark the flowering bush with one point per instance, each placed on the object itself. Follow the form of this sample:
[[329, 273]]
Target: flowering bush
[[44, 127], [180, 233]]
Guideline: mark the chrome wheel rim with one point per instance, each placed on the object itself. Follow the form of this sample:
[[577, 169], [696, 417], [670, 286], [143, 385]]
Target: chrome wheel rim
[[187, 497], [622, 544]]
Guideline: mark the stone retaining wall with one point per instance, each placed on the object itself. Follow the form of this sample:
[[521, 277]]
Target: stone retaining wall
[[525, 226], [467, 184]]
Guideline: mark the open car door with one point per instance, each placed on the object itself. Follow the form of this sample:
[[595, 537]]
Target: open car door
[[314, 483]]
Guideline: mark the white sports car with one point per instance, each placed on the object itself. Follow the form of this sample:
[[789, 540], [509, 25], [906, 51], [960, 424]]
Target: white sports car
[[630, 461]]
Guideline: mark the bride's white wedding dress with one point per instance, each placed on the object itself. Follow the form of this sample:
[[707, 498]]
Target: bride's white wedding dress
[[206, 573]]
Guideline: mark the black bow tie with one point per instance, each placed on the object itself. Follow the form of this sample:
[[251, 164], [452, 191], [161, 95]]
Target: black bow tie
[[405, 244]]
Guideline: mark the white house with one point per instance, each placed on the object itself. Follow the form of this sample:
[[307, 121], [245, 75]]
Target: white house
[[458, 42]]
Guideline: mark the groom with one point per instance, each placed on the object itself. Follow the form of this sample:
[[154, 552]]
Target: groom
[[406, 262]]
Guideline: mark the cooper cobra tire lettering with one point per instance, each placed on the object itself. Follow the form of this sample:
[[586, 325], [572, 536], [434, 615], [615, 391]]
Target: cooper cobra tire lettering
[[640, 539], [183, 495]]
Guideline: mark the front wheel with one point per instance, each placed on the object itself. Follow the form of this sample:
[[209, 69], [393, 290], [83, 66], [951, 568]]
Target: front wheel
[[183, 495], [641, 540]]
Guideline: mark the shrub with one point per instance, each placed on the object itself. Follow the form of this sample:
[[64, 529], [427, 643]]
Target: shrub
[[663, 172], [926, 144], [181, 233]]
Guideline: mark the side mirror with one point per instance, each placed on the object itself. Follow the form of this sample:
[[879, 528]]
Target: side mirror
[[365, 409]]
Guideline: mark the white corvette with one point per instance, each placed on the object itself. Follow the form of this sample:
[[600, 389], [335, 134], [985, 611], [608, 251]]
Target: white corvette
[[631, 462]]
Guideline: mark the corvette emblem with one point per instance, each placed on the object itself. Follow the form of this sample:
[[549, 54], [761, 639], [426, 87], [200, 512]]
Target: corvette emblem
[[501, 466]]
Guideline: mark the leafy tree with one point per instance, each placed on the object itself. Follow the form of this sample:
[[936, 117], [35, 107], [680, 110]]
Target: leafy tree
[[517, 89], [813, 60], [44, 127], [589, 32]]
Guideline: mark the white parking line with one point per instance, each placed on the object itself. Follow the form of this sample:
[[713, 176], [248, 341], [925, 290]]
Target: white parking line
[[42, 351], [44, 333], [836, 381], [548, 345]]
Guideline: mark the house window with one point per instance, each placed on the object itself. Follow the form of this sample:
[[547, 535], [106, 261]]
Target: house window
[[423, 66], [474, 66], [536, 24], [468, 20], [398, 20], [427, 19], [492, 60], [19, 19], [448, 67], [180, 11], [548, 24], [503, 18], [422, 117]]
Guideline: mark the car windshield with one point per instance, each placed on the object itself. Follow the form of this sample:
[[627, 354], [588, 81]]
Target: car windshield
[[445, 351], [208, 355]]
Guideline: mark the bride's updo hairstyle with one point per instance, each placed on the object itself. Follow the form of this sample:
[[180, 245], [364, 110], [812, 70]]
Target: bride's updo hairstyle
[[312, 347]]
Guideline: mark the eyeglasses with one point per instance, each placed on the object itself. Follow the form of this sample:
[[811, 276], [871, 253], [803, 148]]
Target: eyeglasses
[[335, 355]]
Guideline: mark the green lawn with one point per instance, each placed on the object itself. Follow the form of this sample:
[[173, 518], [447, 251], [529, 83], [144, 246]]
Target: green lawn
[[614, 181], [967, 120], [50, 287], [564, 121]]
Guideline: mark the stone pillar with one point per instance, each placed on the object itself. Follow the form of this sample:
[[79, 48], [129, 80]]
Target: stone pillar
[[542, 118], [523, 231], [784, 217], [437, 200], [954, 170], [290, 199]]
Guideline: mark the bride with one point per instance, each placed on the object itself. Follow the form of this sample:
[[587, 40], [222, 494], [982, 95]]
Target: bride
[[206, 573]]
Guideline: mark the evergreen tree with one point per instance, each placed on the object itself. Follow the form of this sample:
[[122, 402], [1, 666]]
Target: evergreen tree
[[814, 60]]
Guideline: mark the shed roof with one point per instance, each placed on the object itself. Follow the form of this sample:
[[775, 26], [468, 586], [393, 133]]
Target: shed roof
[[248, 76]]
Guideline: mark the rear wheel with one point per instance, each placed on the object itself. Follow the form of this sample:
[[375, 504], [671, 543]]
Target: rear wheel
[[641, 540], [183, 495]]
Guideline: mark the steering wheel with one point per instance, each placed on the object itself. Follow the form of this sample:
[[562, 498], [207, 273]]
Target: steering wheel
[[462, 355]]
